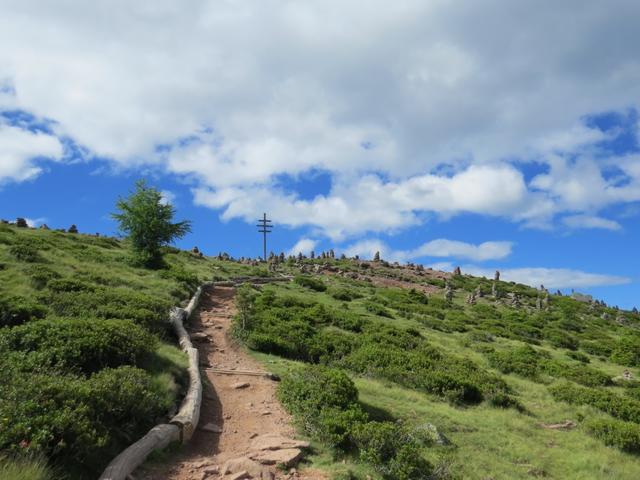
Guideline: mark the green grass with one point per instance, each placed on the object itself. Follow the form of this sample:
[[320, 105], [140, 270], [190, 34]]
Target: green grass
[[59, 279], [24, 469], [489, 442]]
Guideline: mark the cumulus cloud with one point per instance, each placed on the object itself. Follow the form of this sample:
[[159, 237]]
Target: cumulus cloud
[[168, 197], [435, 248], [304, 246], [412, 107], [21, 149], [455, 249], [550, 277], [590, 221]]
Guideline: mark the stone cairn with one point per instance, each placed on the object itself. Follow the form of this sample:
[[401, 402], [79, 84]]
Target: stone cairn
[[376, 257], [471, 298], [21, 222], [514, 300], [448, 292], [457, 272]]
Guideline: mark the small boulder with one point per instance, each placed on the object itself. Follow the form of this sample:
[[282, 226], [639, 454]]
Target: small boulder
[[211, 427], [287, 457]]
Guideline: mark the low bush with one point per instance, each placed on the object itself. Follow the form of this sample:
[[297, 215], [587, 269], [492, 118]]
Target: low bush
[[377, 309], [561, 339], [601, 348], [344, 294], [523, 361], [324, 402], [310, 283], [81, 344], [392, 451], [40, 275], [579, 356], [530, 363], [25, 253], [607, 401], [624, 436], [18, 310], [73, 298], [627, 351], [79, 423]]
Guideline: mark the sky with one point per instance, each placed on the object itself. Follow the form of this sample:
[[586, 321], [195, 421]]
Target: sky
[[487, 135]]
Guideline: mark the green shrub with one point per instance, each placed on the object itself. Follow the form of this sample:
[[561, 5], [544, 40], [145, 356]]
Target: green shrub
[[602, 347], [324, 402], [523, 361], [40, 275], [392, 451], [561, 339], [344, 294], [377, 309], [607, 401], [80, 424], [87, 345], [580, 357], [310, 282], [17, 310], [25, 253], [72, 298], [627, 351], [622, 435]]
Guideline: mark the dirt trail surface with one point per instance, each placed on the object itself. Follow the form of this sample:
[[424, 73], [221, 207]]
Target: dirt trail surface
[[243, 432]]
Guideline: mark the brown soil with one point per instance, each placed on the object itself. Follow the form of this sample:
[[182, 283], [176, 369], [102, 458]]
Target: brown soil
[[241, 413]]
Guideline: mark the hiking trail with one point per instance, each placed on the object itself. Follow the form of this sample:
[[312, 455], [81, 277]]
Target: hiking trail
[[243, 432]]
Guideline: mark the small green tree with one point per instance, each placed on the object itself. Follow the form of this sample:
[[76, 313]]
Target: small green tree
[[147, 220]]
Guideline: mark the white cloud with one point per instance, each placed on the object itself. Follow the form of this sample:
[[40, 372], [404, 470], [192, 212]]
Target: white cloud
[[549, 277], [455, 249], [34, 222], [19, 150], [590, 221], [435, 248], [168, 197], [304, 246], [241, 93]]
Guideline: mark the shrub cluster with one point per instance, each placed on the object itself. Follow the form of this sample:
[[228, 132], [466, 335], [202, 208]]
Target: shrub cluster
[[607, 401], [531, 363], [324, 402], [78, 422], [615, 433], [310, 282], [297, 329], [85, 345]]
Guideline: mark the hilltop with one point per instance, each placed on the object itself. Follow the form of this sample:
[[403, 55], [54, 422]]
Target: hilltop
[[389, 369]]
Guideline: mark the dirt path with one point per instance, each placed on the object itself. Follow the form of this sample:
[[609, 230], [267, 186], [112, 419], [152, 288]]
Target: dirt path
[[242, 426]]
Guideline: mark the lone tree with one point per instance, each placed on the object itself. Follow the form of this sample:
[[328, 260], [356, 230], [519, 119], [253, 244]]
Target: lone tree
[[147, 220]]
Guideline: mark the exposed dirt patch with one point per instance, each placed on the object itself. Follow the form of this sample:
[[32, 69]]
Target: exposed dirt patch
[[238, 409]]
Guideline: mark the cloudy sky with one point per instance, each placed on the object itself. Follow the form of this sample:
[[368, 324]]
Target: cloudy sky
[[488, 134]]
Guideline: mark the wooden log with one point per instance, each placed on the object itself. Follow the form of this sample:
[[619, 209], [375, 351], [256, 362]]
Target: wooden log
[[158, 437], [184, 424], [189, 414]]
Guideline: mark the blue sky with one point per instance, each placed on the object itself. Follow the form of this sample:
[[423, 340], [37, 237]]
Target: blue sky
[[412, 129]]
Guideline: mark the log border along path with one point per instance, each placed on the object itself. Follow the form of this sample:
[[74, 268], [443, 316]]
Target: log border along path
[[243, 432]]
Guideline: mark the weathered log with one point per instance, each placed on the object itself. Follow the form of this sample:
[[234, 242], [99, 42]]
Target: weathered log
[[159, 437], [189, 414], [182, 425]]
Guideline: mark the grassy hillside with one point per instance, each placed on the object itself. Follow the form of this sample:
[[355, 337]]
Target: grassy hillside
[[390, 376], [497, 378], [88, 359]]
